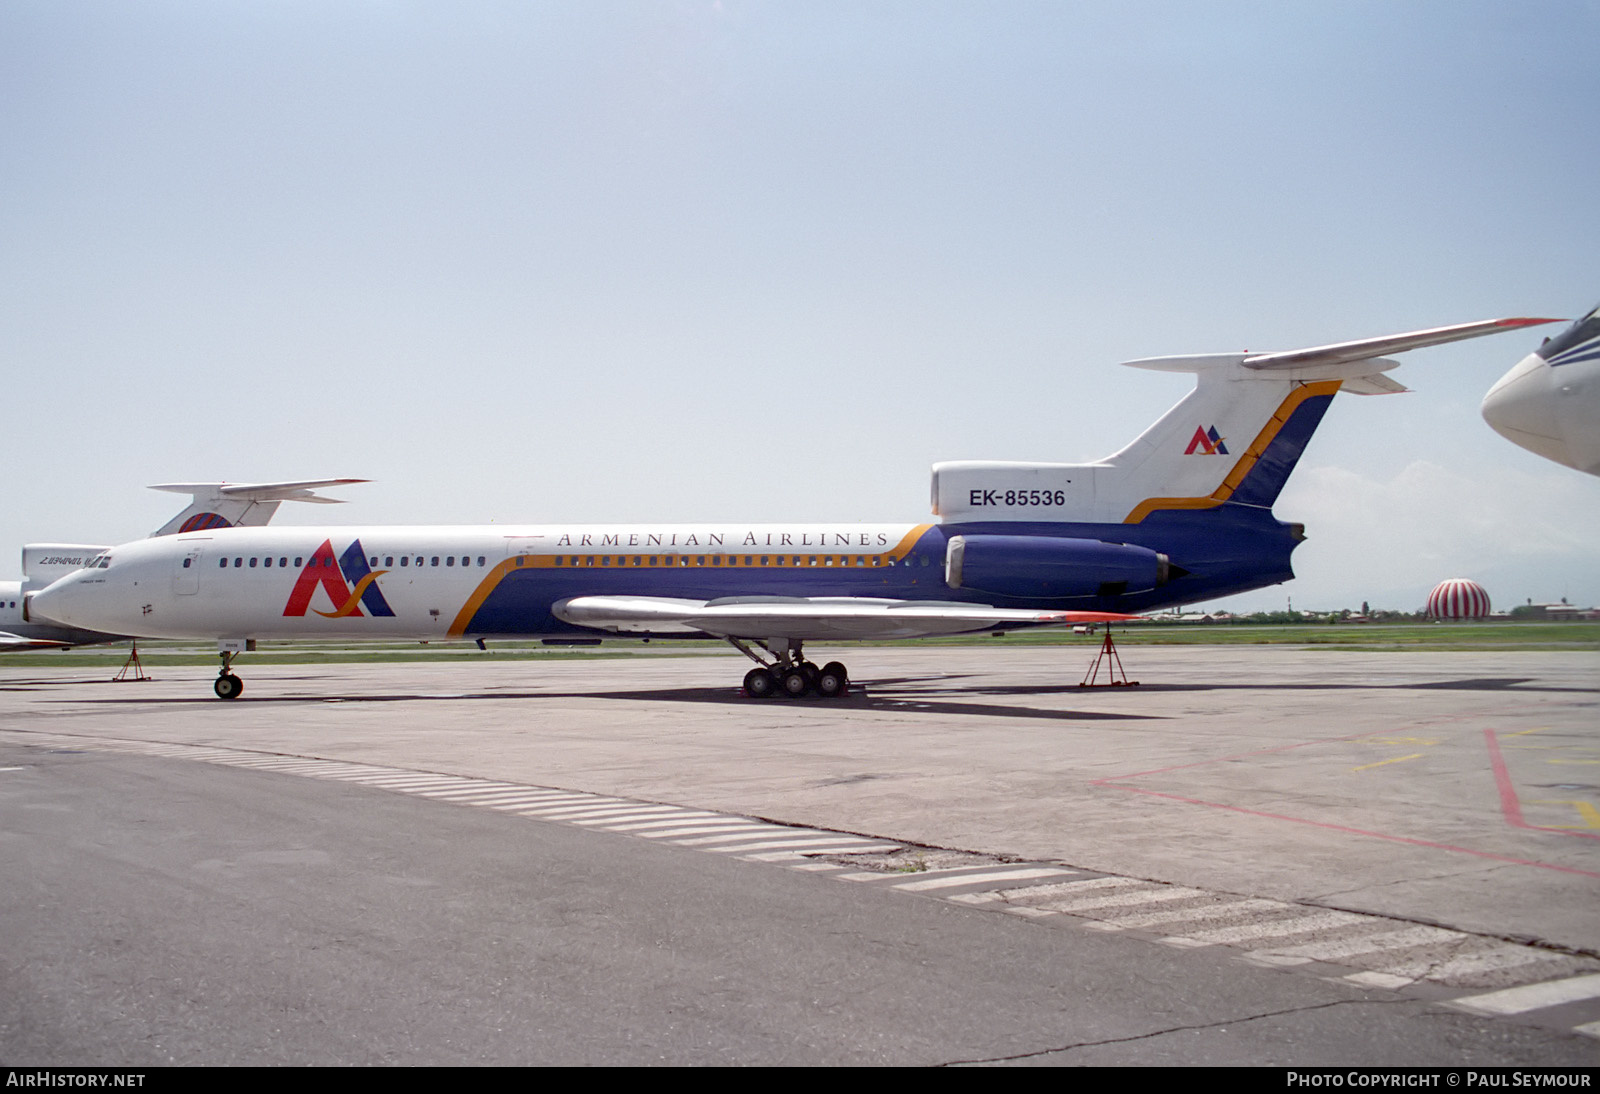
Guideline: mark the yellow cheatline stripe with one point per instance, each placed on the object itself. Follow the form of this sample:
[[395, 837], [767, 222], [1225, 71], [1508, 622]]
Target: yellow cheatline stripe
[[1245, 462], [459, 624], [543, 561]]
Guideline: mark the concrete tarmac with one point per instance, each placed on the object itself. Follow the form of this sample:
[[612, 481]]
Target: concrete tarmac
[[1457, 789]]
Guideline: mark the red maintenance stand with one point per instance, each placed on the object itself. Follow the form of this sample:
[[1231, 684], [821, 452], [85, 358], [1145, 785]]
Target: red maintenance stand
[[1113, 664]]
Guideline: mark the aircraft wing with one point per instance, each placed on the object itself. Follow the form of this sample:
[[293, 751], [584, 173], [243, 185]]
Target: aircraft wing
[[1390, 343], [15, 643], [807, 618]]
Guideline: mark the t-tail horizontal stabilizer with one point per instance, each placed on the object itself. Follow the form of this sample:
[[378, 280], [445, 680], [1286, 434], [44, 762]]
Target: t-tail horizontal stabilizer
[[241, 504], [1234, 438]]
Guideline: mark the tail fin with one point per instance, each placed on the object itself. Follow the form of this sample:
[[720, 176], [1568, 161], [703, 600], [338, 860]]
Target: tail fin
[[226, 505], [1235, 438]]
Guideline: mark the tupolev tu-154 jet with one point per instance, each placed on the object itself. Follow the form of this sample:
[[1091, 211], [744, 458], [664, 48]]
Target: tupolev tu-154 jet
[[1182, 514]]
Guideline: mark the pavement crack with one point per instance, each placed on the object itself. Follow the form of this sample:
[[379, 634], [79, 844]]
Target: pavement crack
[[1222, 1024]]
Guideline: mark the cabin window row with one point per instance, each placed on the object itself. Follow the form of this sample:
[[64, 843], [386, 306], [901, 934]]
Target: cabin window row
[[388, 561], [724, 560]]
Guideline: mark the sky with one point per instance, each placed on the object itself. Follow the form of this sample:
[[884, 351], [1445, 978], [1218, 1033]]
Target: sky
[[755, 261]]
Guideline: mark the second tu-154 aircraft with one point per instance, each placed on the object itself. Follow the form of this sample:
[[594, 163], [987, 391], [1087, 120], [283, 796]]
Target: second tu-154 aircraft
[[1182, 514]]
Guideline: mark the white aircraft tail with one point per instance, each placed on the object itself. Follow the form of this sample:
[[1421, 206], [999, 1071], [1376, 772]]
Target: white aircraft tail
[[43, 563], [247, 504], [1234, 438]]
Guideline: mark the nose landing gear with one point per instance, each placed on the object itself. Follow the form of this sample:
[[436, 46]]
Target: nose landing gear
[[229, 686]]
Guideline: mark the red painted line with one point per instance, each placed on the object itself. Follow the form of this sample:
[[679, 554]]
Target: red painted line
[[1355, 831], [1510, 804]]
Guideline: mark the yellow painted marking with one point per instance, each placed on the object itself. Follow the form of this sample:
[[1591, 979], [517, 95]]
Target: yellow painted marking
[[1590, 815], [1525, 732], [1245, 462], [1428, 741], [1565, 762], [1396, 760]]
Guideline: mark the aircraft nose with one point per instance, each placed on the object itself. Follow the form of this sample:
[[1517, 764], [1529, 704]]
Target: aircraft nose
[[49, 605], [1521, 408], [61, 602]]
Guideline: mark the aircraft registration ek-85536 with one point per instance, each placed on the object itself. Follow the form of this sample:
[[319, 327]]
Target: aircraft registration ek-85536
[[1182, 514], [212, 505]]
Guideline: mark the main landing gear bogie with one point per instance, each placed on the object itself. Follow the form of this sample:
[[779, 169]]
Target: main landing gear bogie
[[789, 675]]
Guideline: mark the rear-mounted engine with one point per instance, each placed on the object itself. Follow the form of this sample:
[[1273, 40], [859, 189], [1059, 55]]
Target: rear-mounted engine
[[1043, 567]]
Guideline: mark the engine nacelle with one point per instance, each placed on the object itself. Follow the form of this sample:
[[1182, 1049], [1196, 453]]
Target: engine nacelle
[[1044, 567]]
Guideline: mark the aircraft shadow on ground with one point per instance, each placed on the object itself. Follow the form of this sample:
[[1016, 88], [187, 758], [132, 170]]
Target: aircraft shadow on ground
[[941, 696], [1487, 683], [902, 697]]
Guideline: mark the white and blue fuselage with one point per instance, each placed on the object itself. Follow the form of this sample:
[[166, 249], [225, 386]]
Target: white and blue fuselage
[[1182, 514]]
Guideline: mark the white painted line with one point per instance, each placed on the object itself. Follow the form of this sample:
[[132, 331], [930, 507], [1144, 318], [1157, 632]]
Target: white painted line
[[1068, 888], [595, 814], [1368, 943], [652, 812], [800, 856], [491, 797], [1196, 915], [814, 845], [680, 817], [573, 812], [981, 878], [1379, 980], [467, 790], [1120, 900], [701, 828], [737, 835], [1532, 996], [354, 773], [1588, 1029], [411, 782], [988, 897], [1278, 928], [472, 797]]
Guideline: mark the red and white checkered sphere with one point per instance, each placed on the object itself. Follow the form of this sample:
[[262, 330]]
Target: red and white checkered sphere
[[1458, 598]]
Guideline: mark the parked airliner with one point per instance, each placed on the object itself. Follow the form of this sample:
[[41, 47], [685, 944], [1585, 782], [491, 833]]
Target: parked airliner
[[1182, 514], [211, 505], [1549, 402]]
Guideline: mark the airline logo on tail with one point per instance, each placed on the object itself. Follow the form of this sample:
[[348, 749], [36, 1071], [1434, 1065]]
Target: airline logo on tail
[[1207, 442], [349, 582]]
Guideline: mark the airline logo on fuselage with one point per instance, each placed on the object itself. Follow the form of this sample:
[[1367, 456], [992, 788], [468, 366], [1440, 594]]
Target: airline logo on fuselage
[[1207, 442], [350, 583]]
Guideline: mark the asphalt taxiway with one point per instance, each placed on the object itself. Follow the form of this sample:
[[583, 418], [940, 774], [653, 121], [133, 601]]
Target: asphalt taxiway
[[1452, 790]]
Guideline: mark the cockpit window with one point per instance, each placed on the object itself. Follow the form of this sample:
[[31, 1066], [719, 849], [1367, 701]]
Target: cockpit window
[[1579, 342]]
